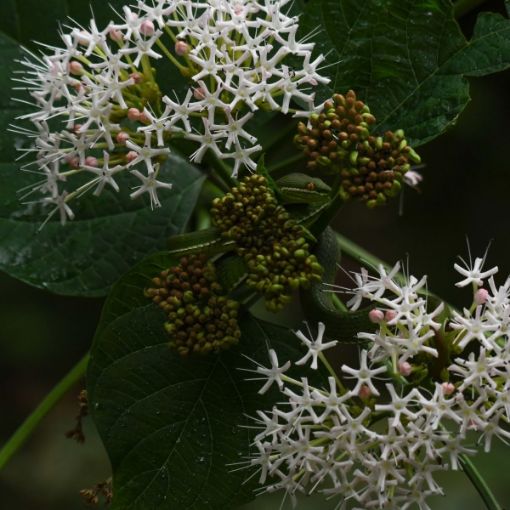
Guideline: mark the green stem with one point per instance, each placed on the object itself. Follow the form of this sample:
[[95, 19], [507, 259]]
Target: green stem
[[222, 169], [329, 368], [463, 7], [290, 161], [358, 253], [147, 68], [27, 427], [479, 483], [338, 303]]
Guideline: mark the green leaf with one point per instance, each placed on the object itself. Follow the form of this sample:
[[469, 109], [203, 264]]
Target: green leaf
[[110, 234], [27, 20], [172, 426], [407, 59], [127, 293]]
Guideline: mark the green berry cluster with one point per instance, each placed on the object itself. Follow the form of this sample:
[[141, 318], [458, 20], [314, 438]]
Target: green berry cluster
[[339, 139], [272, 244], [201, 319]]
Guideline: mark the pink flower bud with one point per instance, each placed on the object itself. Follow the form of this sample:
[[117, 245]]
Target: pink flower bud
[[390, 315], [147, 28], [481, 296], [73, 162], [133, 114], [364, 392], [405, 368], [75, 67], [199, 93], [448, 388], [238, 9], [131, 156], [136, 77], [78, 86], [115, 34], [91, 161], [144, 118], [122, 137], [181, 48], [77, 128], [376, 316]]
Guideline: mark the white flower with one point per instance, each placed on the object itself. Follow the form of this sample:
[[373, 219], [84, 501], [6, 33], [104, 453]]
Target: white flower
[[399, 406], [472, 328], [314, 345], [274, 373], [104, 174], [149, 185], [363, 375], [145, 153], [473, 272]]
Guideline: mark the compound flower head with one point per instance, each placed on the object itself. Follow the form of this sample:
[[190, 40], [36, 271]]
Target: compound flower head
[[99, 93], [362, 442]]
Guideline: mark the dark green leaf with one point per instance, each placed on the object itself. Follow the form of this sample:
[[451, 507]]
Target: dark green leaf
[[30, 20], [171, 425], [111, 233], [407, 59], [127, 293]]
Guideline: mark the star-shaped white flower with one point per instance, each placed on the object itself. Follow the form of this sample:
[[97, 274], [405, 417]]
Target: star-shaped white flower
[[104, 174], [473, 272], [274, 373], [315, 346], [149, 185], [364, 375]]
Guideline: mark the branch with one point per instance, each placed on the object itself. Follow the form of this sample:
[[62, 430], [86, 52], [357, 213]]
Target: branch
[[25, 430]]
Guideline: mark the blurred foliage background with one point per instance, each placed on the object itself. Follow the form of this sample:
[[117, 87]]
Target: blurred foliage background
[[465, 193]]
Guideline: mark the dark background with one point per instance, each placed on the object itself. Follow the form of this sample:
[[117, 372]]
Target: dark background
[[465, 193]]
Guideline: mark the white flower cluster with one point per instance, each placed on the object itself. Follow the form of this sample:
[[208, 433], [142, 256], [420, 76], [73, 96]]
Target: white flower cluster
[[406, 325], [377, 445], [100, 110]]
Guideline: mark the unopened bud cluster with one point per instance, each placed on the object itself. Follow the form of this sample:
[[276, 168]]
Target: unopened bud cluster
[[201, 319], [339, 139], [271, 243]]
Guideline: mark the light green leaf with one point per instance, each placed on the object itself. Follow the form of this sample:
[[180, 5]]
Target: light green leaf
[[407, 59]]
